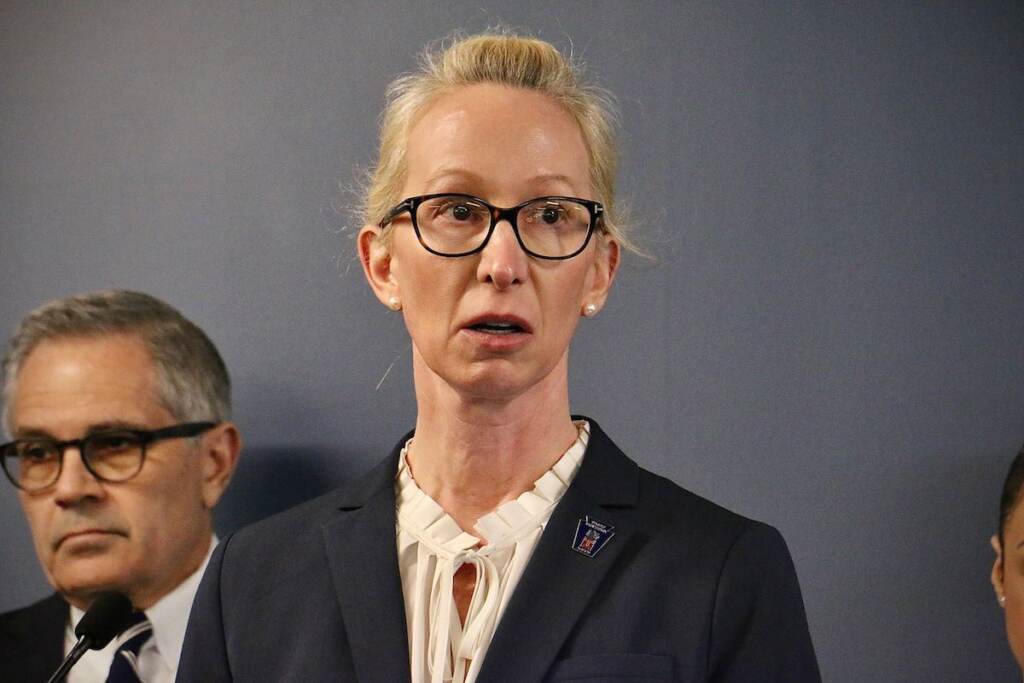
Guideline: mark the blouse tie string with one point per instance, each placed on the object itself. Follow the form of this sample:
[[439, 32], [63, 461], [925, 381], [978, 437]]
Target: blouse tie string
[[432, 548], [447, 664]]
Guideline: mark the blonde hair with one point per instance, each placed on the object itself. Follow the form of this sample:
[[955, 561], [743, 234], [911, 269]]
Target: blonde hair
[[501, 59]]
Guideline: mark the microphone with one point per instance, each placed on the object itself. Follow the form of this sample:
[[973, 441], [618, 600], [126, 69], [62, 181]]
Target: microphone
[[109, 614]]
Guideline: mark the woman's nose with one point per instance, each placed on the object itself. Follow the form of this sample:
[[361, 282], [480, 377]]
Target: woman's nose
[[503, 262]]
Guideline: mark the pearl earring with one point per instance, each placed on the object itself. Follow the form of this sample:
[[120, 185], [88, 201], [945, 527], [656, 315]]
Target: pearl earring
[[1002, 601], [589, 310], [394, 304]]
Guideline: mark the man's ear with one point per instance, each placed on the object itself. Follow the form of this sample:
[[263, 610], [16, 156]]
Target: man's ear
[[997, 569], [375, 257], [218, 452]]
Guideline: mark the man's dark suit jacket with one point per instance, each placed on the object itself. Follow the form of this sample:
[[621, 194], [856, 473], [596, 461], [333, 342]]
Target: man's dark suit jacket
[[32, 640], [684, 591]]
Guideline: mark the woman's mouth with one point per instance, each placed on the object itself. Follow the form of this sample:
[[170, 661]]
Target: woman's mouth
[[497, 327], [498, 332]]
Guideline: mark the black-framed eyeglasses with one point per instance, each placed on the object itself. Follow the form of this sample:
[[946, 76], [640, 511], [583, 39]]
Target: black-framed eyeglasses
[[111, 455], [455, 224]]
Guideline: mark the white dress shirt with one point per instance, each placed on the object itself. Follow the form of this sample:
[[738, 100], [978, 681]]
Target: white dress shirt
[[158, 658], [432, 547]]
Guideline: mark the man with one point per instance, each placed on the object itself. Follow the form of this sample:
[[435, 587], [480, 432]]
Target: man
[[119, 410]]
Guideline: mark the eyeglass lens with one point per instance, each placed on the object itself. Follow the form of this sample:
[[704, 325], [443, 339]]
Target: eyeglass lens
[[547, 226], [112, 456]]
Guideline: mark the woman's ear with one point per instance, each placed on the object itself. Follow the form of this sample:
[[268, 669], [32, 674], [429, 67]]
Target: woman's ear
[[606, 265], [376, 260], [997, 569]]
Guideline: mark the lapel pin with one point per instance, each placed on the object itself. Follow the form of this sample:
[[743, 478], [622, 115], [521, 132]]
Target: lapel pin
[[591, 536]]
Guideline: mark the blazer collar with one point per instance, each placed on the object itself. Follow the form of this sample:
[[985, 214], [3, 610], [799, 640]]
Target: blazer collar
[[555, 588], [560, 582], [609, 477], [360, 491], [363, 560]]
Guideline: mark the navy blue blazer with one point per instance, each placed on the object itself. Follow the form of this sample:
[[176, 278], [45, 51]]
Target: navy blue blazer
[[32, 640], [684, 591]]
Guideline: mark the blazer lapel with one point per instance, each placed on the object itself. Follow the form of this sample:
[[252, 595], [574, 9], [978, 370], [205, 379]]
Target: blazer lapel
[[363, 559], [559, 581]]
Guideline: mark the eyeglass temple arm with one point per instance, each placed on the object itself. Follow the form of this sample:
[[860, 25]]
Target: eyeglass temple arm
[[407, 205]]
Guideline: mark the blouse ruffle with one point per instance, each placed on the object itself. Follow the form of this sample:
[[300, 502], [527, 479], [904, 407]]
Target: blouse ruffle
[[431, 549]]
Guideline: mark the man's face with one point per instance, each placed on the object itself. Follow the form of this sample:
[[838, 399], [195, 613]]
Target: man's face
[[142, 536]]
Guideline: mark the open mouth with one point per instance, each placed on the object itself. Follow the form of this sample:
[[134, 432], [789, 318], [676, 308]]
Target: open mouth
[[497, 327]]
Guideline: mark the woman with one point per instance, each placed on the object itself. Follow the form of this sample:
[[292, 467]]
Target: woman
[[503, 539], [1008, 568]]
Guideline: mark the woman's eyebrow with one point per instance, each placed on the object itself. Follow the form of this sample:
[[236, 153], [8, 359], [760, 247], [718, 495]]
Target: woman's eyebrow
[[550, 178], [465, 175], [452, 174]]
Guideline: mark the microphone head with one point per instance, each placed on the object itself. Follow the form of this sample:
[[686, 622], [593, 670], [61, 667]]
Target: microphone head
[[109, 614]]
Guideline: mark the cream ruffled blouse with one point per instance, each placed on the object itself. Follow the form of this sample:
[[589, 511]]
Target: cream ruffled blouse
[[432, 547]]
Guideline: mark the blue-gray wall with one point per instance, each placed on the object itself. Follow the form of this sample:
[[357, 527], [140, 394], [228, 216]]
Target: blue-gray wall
[[830, 340]]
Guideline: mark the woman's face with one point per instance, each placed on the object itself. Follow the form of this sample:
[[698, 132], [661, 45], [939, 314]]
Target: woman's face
[[1008, 580], [496, 323]]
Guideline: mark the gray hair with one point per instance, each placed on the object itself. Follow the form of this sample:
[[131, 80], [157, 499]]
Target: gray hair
[[192, 380]]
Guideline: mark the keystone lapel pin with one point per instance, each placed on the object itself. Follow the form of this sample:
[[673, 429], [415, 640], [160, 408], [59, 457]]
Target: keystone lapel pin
[[591, 536]]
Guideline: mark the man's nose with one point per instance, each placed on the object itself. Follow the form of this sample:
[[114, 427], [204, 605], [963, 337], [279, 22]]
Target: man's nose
[[503, 262], [75, 482]]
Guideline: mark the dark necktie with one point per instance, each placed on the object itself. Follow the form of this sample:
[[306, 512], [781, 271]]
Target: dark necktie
[[124, 668]]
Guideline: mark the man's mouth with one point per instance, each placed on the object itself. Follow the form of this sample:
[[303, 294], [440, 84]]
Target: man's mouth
[[83, 534]]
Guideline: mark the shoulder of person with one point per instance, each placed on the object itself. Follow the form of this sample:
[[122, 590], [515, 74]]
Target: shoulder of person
[[51, 609], [285, 545], [675, 520], [293, 528], [681, 514], [32, 639]]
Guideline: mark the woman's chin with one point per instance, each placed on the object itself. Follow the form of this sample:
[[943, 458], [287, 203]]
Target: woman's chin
[[505, 381], [490, 377], [492, 385]]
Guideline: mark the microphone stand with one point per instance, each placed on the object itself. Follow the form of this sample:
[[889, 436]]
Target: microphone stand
[[76, 653]]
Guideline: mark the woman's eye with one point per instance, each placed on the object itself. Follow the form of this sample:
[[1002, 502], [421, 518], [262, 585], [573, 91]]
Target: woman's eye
[[551, 214], [459, 212]]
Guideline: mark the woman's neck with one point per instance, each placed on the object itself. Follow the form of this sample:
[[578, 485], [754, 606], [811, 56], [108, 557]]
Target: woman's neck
[[471, 454]]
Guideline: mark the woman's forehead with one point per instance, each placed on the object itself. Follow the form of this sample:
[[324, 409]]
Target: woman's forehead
[[496, 136]]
